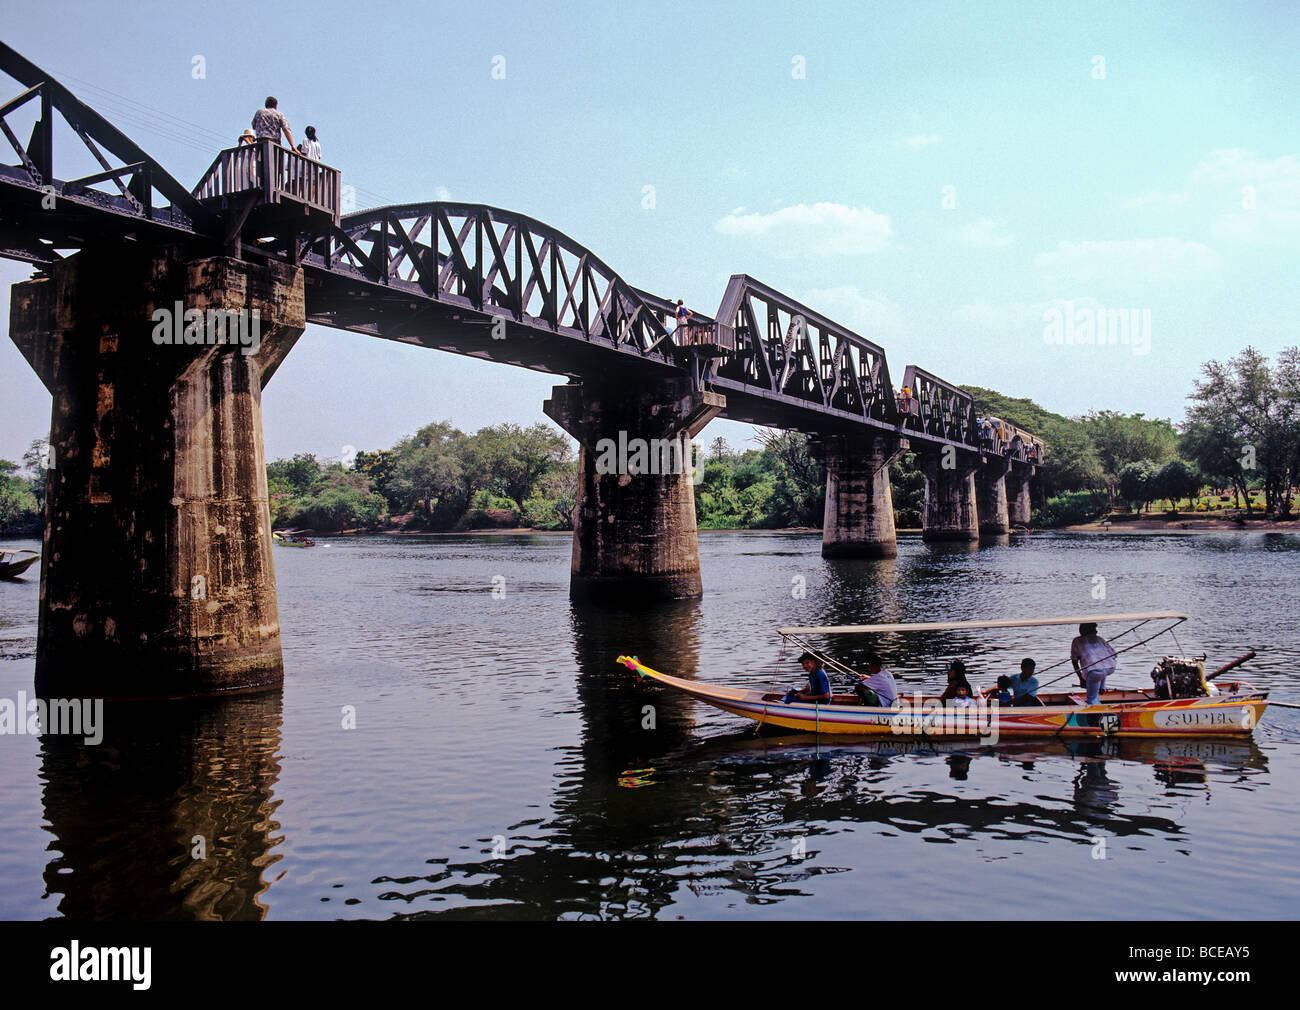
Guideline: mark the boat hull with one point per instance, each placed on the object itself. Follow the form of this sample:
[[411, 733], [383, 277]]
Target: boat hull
[[13, 569], [1233, 714]]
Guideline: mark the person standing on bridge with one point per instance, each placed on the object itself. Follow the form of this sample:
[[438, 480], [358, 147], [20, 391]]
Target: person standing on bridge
[[310, 145], [269, 122], [683, 319]]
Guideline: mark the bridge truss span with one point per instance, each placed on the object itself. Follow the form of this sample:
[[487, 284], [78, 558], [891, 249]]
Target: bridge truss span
[[450, 274]]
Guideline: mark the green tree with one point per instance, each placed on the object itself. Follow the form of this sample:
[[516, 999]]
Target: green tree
[[1121, 439], [799, 485], [296, 476], [1175, 481], [18, 506], [509, 461], [1136, 483], [908, 487], [1244, 424], [428, 472]]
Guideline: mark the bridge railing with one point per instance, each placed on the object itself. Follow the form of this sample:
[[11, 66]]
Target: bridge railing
[[137, 187], [277, 173], [700, 331]]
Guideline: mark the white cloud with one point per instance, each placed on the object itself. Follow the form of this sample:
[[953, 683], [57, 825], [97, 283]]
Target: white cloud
[[1158, 198], [1142, 259], [441, 193], [985, 232], [822, 229], [919, 141], [1261, 196], [872, 314]]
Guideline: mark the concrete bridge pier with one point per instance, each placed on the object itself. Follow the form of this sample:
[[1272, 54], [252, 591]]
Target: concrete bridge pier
[[634, 533], [1020, 506], [950, 511], [859, 517], [156, 574], [991, 496]]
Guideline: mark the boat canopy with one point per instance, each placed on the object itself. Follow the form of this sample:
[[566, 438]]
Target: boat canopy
[[1034, 622]]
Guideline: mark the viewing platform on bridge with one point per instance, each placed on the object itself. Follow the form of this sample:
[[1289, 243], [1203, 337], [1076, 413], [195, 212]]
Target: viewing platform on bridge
[[272, 187]]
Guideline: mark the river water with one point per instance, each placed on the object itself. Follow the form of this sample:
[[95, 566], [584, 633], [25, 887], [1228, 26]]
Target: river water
[[502, 764]]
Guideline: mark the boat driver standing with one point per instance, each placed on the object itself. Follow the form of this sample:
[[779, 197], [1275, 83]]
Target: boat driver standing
[[1093, 659], [819, 685]]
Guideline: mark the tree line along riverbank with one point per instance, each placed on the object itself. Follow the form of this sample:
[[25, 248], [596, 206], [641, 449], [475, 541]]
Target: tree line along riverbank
[[1237, 452]]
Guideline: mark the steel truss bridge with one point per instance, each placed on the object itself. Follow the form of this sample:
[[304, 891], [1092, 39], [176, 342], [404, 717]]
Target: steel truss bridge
[[457, 277]]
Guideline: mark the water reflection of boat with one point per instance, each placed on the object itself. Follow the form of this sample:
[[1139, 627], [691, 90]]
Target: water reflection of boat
[[1229, 754], [1183, 704], [14, 563]]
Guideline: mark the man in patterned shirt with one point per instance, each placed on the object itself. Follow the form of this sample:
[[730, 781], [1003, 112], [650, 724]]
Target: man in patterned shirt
[[269, 121]]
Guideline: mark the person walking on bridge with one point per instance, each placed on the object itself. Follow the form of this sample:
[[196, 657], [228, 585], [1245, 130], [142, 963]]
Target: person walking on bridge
[[269, 122]]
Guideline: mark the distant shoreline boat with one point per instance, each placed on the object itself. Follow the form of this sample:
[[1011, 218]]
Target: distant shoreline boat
[[1183, 701], [13, 564], [291, 538]]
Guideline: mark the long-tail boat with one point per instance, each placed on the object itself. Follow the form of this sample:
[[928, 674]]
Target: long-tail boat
[[292, 538], [14, 563], [1183, 700]]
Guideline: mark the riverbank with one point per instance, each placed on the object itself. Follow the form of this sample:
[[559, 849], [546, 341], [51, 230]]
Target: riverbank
[[1190, 525]]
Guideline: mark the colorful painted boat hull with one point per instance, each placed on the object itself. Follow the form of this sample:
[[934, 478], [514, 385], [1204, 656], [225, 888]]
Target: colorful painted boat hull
[[1233, 713]]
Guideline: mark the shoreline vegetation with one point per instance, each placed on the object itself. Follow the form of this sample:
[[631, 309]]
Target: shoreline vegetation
[[1233, 464]]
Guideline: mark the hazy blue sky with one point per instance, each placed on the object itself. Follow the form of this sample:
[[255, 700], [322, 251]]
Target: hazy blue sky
[[1129, 156]]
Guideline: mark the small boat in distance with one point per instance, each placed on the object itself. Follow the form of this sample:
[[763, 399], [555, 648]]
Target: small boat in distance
[[14, 563], [291, 538], [1182, 701]]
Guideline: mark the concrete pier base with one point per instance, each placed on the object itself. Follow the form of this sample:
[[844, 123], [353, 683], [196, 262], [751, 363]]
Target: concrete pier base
[[859, 518], [950, 508], [634, 533], [156, 574], [1020, 508], [991, 497]]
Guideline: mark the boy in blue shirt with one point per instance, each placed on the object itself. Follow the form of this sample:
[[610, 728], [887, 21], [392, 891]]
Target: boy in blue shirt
[[819, 685], [1024, 689]]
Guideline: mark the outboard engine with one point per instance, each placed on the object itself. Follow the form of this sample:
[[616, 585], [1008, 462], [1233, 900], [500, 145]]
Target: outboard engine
[[1179, 677]]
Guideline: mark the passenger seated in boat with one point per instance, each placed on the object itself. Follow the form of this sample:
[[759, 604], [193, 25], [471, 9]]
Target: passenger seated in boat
[[956, 679], [1002, 693], [964, 697], [877, 689], [1024, 689], [819, 685]]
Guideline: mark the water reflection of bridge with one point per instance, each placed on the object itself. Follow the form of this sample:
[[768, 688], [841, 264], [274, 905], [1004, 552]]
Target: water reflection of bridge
[[171, 817]]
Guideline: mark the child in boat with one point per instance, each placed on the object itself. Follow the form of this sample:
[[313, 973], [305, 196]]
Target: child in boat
[[819, 685], [963, 698], [1003, 691], [956, 679]]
